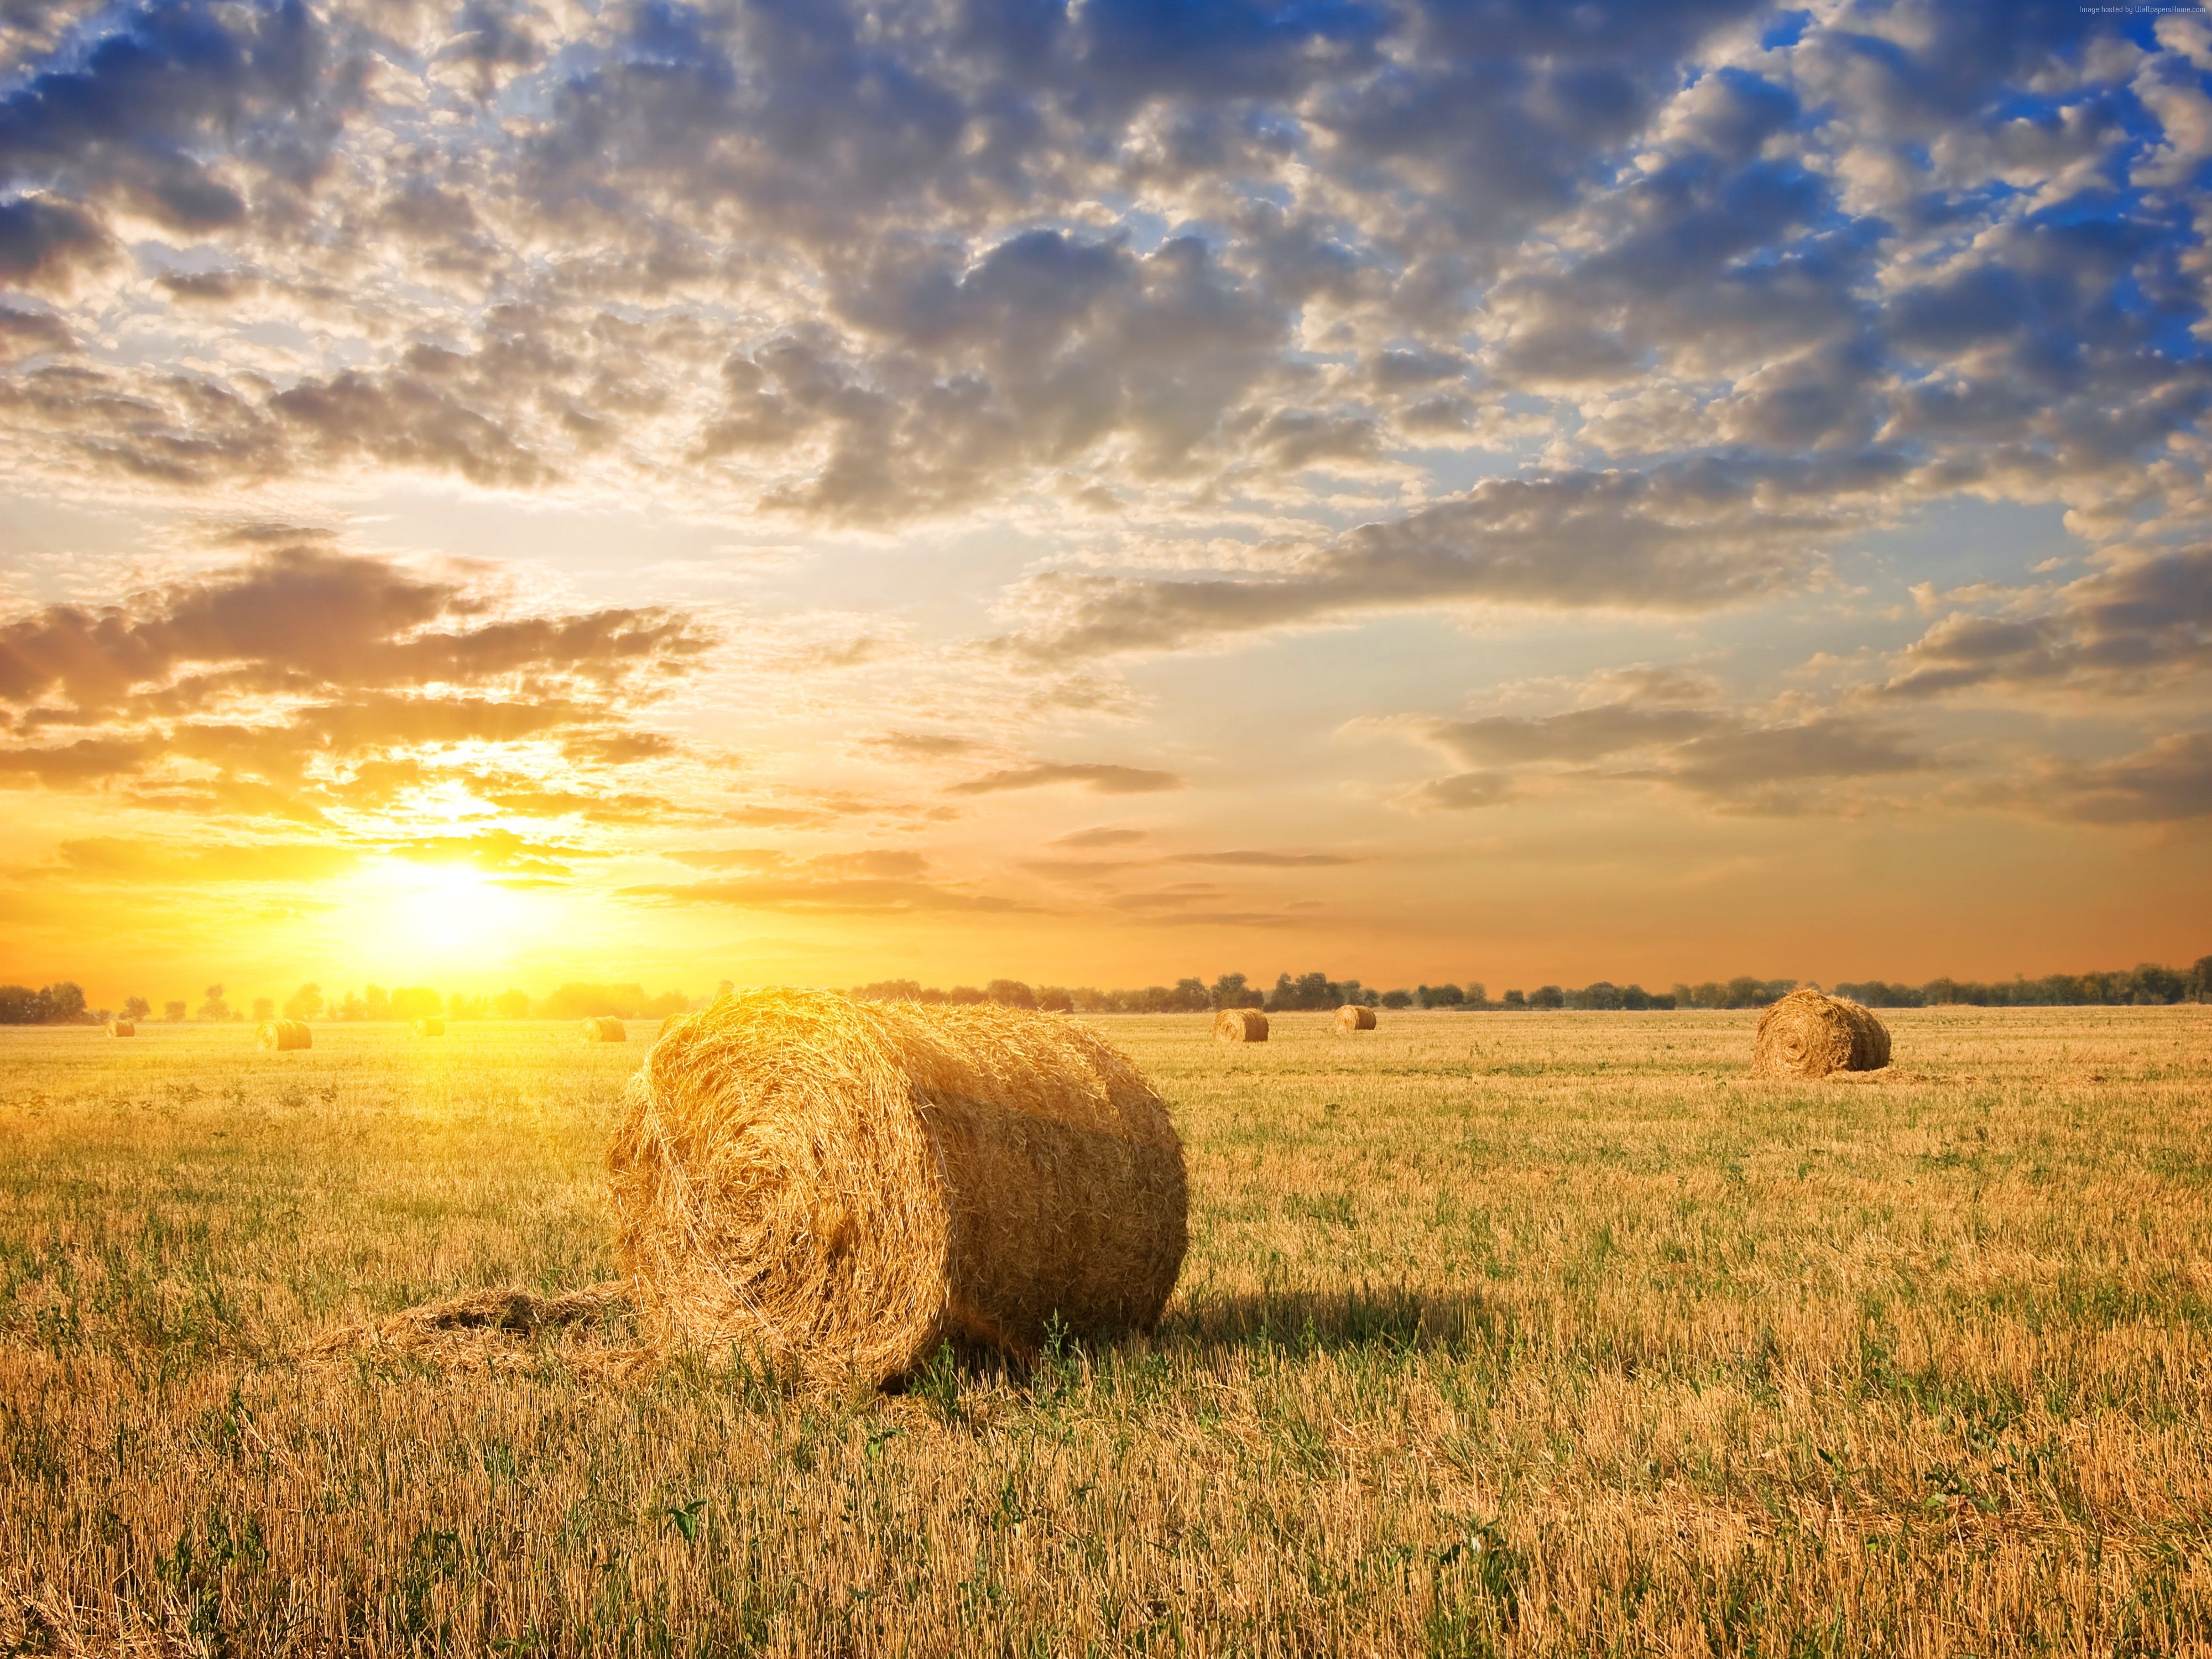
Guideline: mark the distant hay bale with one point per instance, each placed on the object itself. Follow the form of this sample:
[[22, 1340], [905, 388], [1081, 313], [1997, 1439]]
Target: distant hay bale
[[1240, 1025], [122, 1028], [429, 1025], [1353, 1017], [600, 1029], [286, 1034], [1809, 1035], [844, 1186]]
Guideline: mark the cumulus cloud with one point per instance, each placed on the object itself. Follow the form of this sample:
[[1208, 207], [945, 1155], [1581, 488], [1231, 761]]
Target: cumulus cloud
[[1670, 730], [306, 680], [1687, 540], [2135, 627]]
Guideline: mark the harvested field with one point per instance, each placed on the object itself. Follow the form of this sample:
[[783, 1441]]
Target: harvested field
[[1544, 1333]]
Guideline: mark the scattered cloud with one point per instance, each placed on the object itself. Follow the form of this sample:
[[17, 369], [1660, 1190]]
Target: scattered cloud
[[1099, 778]]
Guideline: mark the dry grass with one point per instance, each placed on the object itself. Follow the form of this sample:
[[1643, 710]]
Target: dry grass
[[1532, 1334]]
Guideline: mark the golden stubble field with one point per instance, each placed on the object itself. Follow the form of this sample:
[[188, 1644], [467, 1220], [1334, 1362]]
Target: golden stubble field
[[1499, 1334]]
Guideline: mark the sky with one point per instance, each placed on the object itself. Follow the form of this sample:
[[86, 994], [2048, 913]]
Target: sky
[[1100, 492]]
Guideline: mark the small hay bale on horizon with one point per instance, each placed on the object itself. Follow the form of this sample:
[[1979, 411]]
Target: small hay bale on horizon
[[122, 1028], [429, 1025], [282, 1034], [846, 1185], [1353, 1017], [1240, 1025], [598, 1028], [1808, 1034]]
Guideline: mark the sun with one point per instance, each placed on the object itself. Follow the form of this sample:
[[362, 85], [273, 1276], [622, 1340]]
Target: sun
[[423, 918]]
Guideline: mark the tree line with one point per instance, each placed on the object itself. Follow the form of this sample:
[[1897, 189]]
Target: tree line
[[63, 1002]]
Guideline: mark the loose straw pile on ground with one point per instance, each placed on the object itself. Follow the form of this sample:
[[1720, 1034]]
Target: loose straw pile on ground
[[598, 1028], [1807, 1034], [286, 1034], [487, 1329], [844, 1186], [1353, 1017], [429, 1025], [1240, 1025], [122, 1028]]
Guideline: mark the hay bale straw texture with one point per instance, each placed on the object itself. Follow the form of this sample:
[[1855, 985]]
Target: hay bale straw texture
[[600, 1029], [286, 1034], [1353, 1017], [122, 1028], [846, 1185], [1807, 1034], [429, 1025], [1240, 1025]]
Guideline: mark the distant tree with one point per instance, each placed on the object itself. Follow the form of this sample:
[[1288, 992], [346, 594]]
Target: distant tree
[[375, 1003], [1190, 996], [306, 1003], [1442, 996], [1231, 991], [2200, 980], [2157, 984], [1600, 994], [965, 995], [1745, 991], [1010, 993], [511, 1005], [1547, 996], [137, 1008], [723, 987], [215, 1007], [63, 1004], [460, 1005], [19, 1006], [1397, 998], [1476, 996], [352, 1008], [264, 1008], [415, 1002], [580, 1001], [889, 990], [174, 1012], [1055, 1000], [1515, 1000]]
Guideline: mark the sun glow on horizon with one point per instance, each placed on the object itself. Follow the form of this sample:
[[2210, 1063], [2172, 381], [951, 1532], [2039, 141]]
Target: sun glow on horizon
[[440, 919]]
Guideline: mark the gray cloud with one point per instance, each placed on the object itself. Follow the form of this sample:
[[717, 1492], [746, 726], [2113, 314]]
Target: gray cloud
[[1687, 540], [2130, 629]]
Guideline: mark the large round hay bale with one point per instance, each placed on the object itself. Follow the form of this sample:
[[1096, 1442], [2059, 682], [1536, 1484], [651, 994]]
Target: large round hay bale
[[1240, 1025], [671, 1023], [286, 1034], [1807, 1034], [1353, 1017], [846, 1185], [122, 1028], [429, 1025], [600, 1029]]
